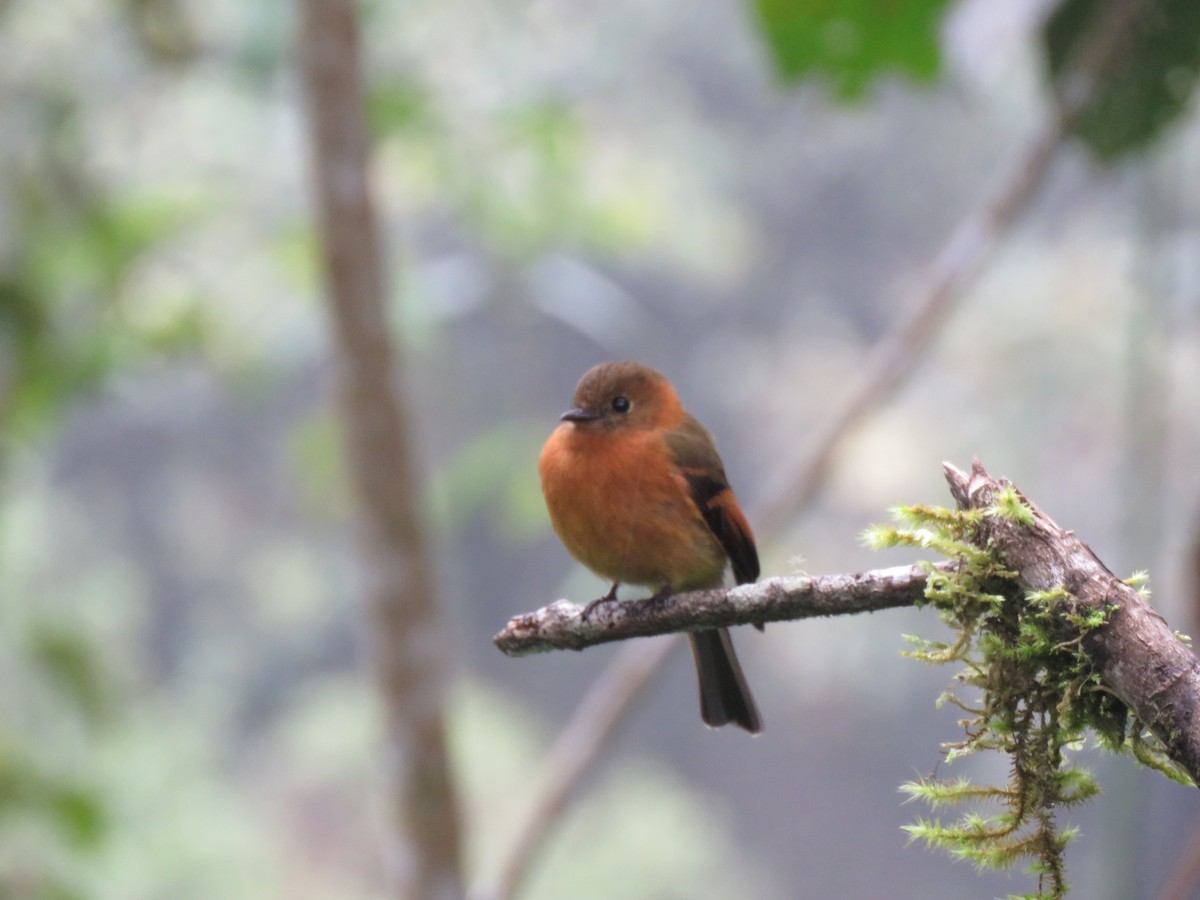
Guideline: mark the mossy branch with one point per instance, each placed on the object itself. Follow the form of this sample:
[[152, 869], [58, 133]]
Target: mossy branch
[[1131, 651], [1037, 620]]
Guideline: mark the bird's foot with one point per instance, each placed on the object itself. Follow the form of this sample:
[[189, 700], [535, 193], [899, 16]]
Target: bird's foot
[[610, 597], [660, 597]]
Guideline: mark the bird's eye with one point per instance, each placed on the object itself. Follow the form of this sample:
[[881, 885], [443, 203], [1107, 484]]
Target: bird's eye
[[621, 404]]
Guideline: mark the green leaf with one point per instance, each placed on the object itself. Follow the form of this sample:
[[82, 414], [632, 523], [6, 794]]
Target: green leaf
[[397, 105], [73, 666], [75, 810], [851, 42], [1147, 89], [79, 814]]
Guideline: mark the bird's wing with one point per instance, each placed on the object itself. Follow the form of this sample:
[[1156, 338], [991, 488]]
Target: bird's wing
[[696, 457]]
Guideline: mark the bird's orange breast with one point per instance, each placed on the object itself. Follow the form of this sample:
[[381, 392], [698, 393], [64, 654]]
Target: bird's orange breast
[[621, 508]]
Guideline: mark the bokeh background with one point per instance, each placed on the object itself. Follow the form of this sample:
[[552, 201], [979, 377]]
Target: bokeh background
[[184, 710]]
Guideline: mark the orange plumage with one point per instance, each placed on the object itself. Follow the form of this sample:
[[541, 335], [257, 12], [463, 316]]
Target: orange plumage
[[637, 492]]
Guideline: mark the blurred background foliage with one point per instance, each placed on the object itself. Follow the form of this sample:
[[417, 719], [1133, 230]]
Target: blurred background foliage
[[739, 194]]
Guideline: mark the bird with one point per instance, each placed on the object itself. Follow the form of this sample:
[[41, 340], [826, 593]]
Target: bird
[[637, 492]]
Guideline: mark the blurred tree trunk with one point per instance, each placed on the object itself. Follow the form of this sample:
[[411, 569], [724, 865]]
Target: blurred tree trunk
[[407, 641]]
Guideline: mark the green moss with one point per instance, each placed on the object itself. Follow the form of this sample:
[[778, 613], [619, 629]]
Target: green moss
[[1038, 697], [1012, 506]]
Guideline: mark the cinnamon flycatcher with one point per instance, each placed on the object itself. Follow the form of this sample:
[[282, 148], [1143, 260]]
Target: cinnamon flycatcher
[[637, 492]]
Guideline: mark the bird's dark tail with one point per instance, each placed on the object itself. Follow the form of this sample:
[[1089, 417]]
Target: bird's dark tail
[[724, 694]]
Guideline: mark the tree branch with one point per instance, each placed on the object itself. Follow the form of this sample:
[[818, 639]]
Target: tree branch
[[561, 626], [1137, 654], [406, 640]]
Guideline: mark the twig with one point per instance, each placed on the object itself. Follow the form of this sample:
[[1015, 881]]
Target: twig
[[406, 637], [561, 626]]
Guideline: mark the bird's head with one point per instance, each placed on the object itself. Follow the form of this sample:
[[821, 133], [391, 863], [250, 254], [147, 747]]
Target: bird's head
[[621, 395]]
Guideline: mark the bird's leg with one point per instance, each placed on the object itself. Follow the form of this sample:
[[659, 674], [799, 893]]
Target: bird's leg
[[607, 598]]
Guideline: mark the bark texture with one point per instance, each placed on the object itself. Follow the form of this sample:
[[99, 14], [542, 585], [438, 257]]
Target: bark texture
[[561, 626]]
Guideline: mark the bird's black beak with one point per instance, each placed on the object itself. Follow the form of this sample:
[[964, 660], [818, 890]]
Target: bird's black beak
[[579, 415]]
